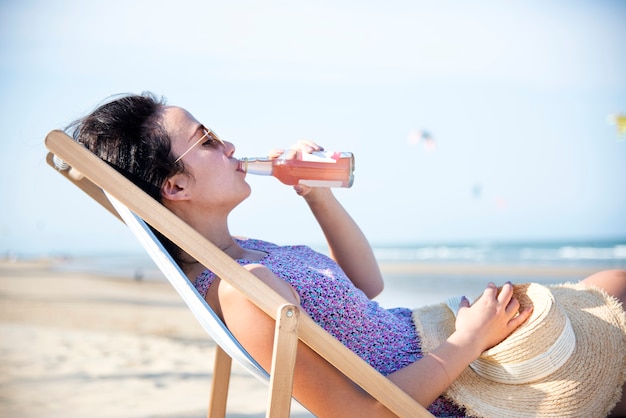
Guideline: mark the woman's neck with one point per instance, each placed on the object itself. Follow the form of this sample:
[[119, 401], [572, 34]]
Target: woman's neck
[[213, 226], [192, 268]]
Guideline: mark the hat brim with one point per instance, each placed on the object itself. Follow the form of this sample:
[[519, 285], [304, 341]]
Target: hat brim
[[588, 384]]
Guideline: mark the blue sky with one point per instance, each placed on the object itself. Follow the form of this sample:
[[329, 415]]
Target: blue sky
[[515, 94]]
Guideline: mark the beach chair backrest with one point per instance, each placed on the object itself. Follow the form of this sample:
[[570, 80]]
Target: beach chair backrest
[[129, 203], [205, 315]]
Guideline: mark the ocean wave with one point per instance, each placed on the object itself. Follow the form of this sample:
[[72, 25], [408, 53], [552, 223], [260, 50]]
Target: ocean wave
[[521, 253]]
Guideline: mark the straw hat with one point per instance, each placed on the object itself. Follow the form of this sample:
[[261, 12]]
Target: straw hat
[[567, 359]]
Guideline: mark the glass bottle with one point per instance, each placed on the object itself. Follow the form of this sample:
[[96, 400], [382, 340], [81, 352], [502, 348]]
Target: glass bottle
[[318, 169]]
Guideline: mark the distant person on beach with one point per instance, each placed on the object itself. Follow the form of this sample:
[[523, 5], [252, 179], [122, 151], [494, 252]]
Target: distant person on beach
[[453, 365]]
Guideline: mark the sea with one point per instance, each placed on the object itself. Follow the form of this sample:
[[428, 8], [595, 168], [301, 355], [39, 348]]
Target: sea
[[418, 274]]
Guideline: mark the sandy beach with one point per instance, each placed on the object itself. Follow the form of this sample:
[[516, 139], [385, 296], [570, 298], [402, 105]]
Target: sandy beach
[[75, 345]]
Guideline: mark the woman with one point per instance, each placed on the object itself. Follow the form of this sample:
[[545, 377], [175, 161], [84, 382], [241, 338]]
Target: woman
[[185, 166]]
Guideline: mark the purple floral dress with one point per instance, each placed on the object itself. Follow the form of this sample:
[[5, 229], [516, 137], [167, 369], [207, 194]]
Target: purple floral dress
[[385, 338]]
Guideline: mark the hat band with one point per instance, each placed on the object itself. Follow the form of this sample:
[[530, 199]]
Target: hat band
[[531, 369], [534, 368]]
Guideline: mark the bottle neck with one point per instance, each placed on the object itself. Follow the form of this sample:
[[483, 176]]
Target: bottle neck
[[254, 165]]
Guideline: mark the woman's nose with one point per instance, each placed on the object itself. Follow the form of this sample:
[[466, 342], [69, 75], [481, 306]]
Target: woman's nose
[[229, 148]]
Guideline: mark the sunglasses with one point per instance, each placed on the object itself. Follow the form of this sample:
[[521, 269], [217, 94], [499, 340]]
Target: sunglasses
[[212, 139]]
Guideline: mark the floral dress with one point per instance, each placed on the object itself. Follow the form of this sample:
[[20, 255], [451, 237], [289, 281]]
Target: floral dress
[[385, 338]]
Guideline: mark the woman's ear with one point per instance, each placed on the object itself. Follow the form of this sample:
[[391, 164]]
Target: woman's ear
[[175, 188]]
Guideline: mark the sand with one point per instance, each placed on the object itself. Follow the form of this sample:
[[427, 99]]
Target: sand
[[77, 345]]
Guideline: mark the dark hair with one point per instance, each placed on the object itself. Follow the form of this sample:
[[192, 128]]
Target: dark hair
[[127, 133]]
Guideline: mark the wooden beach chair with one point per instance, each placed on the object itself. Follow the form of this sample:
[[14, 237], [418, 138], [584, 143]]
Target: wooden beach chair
[[136, 208]]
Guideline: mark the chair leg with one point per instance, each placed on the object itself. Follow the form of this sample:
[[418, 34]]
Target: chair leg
[[283, 362], [219, 385]]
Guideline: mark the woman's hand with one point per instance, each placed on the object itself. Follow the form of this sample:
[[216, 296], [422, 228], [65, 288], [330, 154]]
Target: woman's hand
[[492, 318], [488, 321], [305, 146]]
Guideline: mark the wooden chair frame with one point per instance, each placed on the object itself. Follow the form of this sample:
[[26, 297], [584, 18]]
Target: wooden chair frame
[[127, 202]]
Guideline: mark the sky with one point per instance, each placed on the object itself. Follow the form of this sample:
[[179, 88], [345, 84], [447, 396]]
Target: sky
[[515, 97]]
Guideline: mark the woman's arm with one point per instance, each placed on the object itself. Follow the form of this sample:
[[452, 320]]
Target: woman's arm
[[492, 318], [325, 391], [347, 244]]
